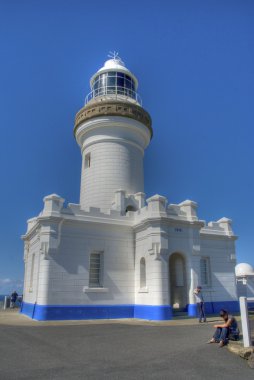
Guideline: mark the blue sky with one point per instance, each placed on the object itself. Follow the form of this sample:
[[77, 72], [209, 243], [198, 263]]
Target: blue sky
[[195, 65]]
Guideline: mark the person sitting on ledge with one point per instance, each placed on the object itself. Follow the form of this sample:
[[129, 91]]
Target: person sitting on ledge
[[225, 331]]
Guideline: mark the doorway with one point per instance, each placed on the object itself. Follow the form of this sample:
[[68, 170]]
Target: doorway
[[177, 275]]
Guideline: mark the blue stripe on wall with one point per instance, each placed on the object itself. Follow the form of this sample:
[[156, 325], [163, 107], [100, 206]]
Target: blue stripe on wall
[[77, 312], [149, 312], [27, 309], [215, 307]]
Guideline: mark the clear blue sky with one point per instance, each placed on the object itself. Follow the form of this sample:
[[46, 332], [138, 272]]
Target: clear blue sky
[[195, 65]]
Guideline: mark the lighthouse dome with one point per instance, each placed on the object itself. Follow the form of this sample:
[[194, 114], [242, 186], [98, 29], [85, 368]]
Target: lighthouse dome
[[115, 64]]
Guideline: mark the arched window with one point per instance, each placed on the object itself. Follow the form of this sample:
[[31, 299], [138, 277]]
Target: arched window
[[142, 273], [87, 162], [179, 271], [130, 208]]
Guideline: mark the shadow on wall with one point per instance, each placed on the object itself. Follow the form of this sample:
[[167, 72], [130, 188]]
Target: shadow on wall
[[227, 300]]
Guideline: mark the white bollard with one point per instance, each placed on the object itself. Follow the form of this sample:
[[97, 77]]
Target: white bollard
[[245, 322]]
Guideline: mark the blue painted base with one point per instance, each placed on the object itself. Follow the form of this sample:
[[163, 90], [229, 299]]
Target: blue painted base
[[155, 313], [76, 312], [215, 307], [150, 312], [192, 310]]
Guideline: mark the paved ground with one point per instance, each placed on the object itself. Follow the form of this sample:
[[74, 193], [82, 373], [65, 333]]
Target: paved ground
[[113, 350]]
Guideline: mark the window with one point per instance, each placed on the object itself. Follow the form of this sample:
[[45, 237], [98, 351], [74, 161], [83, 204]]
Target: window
[[32, 273], [179, 271], [142, 273], [87, 160], [114, 82], [95, 270], [130, 208], [120, 82], [205, 271]]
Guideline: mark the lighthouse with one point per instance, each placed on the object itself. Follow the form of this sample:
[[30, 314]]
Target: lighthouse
[[118, 253], [113, 131]]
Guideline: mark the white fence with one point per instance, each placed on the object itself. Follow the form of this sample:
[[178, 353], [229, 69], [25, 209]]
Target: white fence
[[247, 318], [6, 303]]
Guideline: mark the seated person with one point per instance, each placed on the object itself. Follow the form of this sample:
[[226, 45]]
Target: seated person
[[227, 330]]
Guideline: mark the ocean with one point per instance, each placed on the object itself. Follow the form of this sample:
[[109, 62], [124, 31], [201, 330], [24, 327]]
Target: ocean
[[1, 300]]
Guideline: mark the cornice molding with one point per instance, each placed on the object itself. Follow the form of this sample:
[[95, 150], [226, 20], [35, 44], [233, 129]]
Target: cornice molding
[[113, 108], [146, 222]]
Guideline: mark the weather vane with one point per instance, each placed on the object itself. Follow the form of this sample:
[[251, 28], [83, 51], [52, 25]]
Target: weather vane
[[115, 56]]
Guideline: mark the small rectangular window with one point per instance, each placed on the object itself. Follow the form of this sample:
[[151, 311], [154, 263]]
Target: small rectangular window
[[87, 160], [205, 271], [142, 273], [95, 270]]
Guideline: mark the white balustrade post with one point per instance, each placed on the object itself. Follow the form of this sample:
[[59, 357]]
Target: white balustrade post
[[6, 299], [245, 322]]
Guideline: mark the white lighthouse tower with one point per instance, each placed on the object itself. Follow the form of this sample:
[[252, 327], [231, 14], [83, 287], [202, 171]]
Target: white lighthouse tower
[[112, 130], [117, 254]]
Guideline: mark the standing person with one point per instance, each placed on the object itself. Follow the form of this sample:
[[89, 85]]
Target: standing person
[[228, 329], [14, 297], [200, 304]]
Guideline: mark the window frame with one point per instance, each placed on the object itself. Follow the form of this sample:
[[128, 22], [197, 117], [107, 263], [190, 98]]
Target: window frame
[[31, 280], [107, 83], [205, 275], [99, 283], [142, 273], [87, 161]]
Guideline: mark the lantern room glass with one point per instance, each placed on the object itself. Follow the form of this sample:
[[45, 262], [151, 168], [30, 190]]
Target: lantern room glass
[[114, 82]]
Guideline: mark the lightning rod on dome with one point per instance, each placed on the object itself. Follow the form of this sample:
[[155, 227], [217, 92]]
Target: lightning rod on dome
[[115, 56]]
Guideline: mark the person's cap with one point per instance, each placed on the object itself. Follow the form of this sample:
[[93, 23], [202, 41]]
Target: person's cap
[[199, 287]]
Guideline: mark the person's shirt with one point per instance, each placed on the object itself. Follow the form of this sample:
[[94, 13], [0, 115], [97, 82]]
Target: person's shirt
[[14, 296], [233, 327], [199, 297]]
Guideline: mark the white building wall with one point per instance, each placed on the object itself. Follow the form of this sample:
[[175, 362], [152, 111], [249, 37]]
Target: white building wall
[[222, 263], [185, 240], [62, 240], [68, 267], [32, 257], [116, 146], [113, 165]]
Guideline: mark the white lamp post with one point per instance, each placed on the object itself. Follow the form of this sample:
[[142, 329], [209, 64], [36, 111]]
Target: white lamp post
[[243, 272]]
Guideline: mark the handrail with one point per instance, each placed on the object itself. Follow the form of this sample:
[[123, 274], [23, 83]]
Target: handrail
[[114, 94]]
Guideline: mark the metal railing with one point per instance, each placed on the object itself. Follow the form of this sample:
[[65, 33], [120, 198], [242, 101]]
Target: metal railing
[[6, 303], [116, 93]]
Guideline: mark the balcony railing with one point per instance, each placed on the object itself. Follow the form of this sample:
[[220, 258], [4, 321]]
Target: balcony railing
[[117, 93]]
